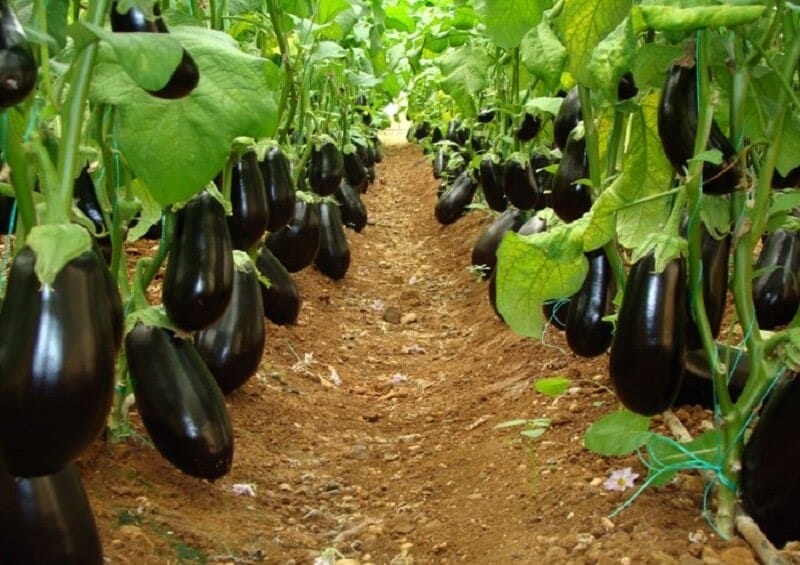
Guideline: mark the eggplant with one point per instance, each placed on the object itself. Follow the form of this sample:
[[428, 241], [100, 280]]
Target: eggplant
[[677, 129], [769, 482], [776, 291], [250, 209], [199, 276], [440, 162], [452, 204], [697, 386], [485, 249], [571, 199], [543, 180], [47, 520], [529, 128], [355, 172], [714, 254], [333, 258], [436, 135], [87, 202], [297, 244], [185, 77], [420, 131], [791, 180], [232, 346], [486, 115], [588, 335], [277, 174], [327, 168], [57, 357], [182, 407], [490, 172], [456, 132], [649, 349], [626, 87], [282, 298], [568, 116], [352, 209], [519, 184], [18, 68]]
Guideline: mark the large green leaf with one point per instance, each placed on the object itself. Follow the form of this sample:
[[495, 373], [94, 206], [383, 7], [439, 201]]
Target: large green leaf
[[582, 25], [177, 146], [532, 269], [665, 456], [612, 58], [619, 433], [399, 18], [464, 74], [543, 55], [507, 21]]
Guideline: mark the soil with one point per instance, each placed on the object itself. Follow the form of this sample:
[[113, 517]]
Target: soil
[[370, 428]]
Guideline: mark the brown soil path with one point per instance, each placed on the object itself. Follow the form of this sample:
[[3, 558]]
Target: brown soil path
[[370, 429]]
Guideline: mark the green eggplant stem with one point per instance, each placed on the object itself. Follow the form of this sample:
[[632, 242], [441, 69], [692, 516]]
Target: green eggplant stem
[[44, 52], [18, 163], [72, 115]]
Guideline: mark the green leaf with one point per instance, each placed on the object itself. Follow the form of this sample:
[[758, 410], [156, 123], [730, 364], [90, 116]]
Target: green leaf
[[713, 156], [543, 104], [507, 21], [552, 386], [177, 146], [582, 25], [398, 18], [326, 50], [55, 245], [464, 73], [619, 433], [665, 456], [612, 57], [671, 18], [153, 316], [148, 58], [532, 269], [328, 10], [715, 211], [534, 433], [651, 64], [543, 54], [150, 213]]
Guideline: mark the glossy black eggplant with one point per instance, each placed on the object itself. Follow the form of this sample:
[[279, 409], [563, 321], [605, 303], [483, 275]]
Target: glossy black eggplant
[[354, 171], [333, 258], [249, 207], [715, 255], [490, 172], [456, 132], [326, 168], [57, 356], [18, 68], [452, 204], [626, 87], [440, 161], [484, 251], [697, 387], [87, 202], [282, 298], [677, 128], [199, 276], [769, 482], [297, 244], [568, 116], [354, 213], [519, 185], [47, 520], [486, 115], [543, 180], [588, 335], [649, 349], [529, 128], [571, 199], [776, 291], [185, 76], [182, 407], [233, 345], [277, 174]]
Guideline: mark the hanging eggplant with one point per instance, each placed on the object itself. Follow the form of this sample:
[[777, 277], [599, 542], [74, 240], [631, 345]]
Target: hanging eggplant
[[297, 244], [588, 335], [277, 175], [233, 345], [57, 357], [333, 258], [714, 255], [452, 204], [485, 249], [354, 171], [490, 172], [776, 290], [199, 276], [249, 206], [18, 68], [354, 213], [529, 128], [282, 298], [87, 202], [568, 116], [326, 169], [47, 520], [571, 199], [182, 407], [519, 184], [677, 129]]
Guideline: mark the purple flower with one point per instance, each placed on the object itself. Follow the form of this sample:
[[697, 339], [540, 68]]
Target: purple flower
[[621, 479]]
